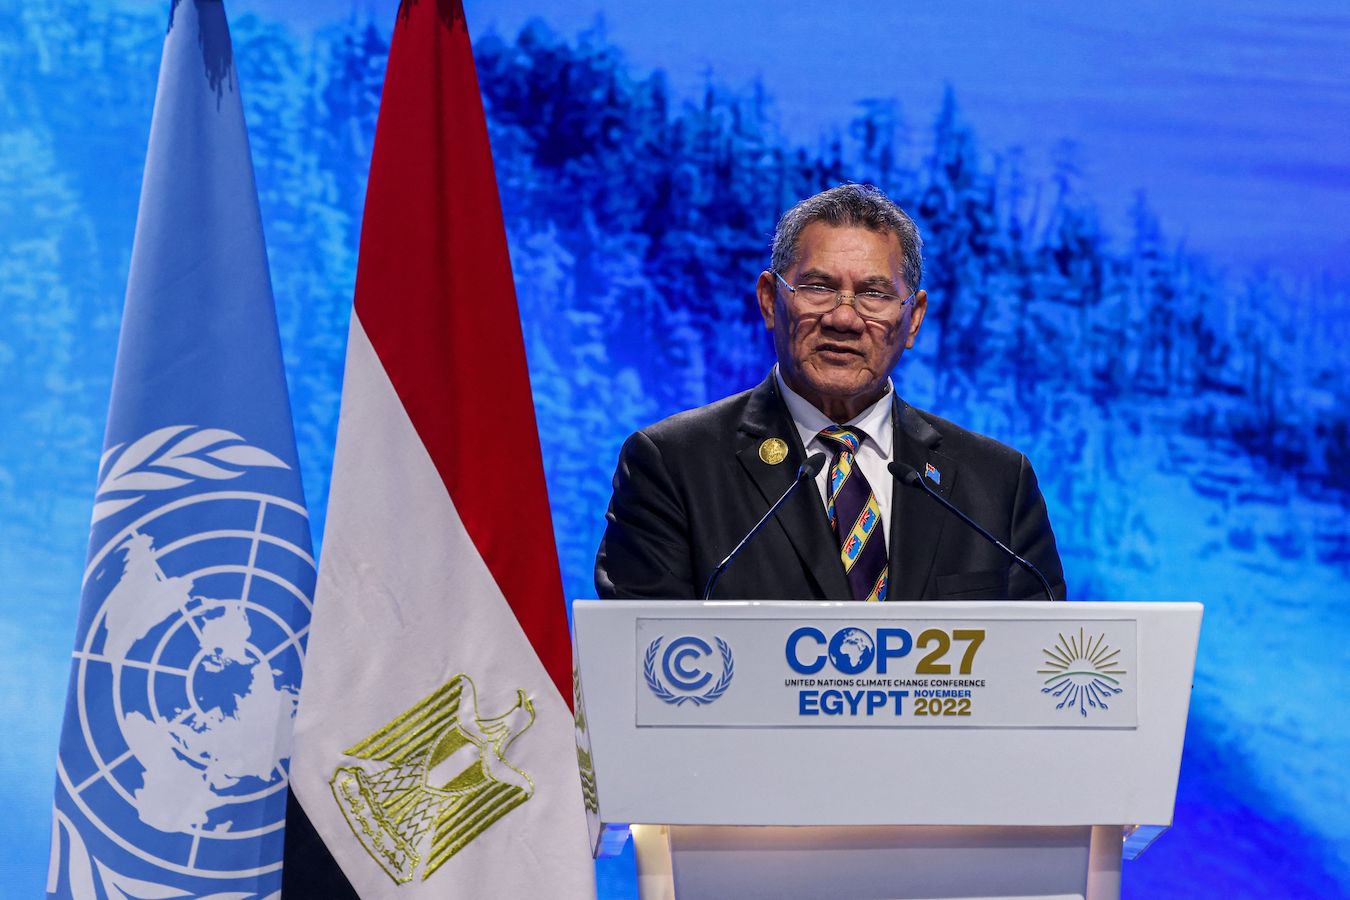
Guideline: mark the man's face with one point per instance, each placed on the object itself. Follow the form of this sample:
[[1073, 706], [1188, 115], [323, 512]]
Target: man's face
[[839, 360]]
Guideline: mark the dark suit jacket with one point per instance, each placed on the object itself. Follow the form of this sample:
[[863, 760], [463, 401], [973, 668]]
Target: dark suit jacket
[[688, 488]]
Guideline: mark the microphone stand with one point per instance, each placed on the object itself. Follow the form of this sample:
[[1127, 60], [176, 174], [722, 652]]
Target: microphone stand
[[808, 470]]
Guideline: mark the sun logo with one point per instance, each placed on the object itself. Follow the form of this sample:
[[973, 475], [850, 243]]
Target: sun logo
[[1082, 672]]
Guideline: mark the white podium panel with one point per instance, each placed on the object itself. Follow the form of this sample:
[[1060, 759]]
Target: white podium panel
[[1008, 730], [900, 862], [773, 759]]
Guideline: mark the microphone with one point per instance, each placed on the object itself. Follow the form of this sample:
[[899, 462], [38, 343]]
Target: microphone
[[807, 471], [907, 475]]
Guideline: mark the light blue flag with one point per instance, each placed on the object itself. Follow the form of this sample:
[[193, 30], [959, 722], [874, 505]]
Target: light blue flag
[[172, 774]]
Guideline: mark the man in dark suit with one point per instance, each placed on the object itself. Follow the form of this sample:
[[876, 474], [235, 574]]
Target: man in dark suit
[[843, 302]]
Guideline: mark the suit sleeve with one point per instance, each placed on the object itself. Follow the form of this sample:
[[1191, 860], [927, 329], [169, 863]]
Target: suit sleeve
[[645, 553], [1034, 540]]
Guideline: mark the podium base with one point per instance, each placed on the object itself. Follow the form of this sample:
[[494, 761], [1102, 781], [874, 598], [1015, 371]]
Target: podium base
[[900, 862]]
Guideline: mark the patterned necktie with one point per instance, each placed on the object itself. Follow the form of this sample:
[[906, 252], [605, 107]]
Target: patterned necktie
[[856, 518]]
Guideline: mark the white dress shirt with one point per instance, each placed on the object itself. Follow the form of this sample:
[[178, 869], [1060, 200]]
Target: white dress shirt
[[873, 455]]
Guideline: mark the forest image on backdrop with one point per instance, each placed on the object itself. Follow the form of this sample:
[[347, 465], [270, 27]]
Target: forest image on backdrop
[[1188, 423]]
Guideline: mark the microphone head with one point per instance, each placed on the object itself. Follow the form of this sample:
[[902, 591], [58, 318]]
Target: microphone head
[[905, 473], [814, 463]]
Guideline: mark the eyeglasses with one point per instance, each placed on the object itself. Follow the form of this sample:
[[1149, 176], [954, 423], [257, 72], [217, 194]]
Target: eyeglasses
[[868, 304]]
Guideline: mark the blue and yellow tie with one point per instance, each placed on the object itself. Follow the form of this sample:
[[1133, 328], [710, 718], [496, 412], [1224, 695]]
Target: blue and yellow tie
[[855, 517]]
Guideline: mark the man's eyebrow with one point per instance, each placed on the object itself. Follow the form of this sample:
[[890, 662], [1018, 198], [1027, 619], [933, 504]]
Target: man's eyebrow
[[868, 283], [876, 283]]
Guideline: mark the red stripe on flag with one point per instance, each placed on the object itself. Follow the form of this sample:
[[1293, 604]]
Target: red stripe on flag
[[435, 296]]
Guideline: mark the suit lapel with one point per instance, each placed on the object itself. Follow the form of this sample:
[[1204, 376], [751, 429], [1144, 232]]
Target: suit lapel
[[802, 517], [916, 521]]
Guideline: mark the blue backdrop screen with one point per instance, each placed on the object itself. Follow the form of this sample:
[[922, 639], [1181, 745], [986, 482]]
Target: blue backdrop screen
[[1137, 262]]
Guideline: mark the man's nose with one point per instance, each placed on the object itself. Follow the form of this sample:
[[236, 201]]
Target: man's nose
[[844, 316]]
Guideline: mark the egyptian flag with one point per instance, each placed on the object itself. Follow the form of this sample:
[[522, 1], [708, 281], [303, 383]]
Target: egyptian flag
[[435, 750]]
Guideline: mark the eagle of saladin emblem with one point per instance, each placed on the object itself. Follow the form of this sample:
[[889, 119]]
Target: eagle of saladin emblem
[[433, 779]]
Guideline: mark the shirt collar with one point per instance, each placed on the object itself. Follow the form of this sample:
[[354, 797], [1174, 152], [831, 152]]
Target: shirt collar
[[874, 422]]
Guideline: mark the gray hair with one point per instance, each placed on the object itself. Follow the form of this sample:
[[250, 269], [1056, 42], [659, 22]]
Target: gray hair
[[861, 205]]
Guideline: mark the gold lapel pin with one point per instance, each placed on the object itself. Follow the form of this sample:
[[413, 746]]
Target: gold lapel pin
[[773, 451]]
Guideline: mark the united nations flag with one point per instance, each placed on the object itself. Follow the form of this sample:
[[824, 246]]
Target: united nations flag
[[172, 774]]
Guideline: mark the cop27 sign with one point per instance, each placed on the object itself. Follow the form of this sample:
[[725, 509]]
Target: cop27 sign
[[912, 673]]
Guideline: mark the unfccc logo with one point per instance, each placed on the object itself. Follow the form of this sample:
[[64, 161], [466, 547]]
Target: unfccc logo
[[683, 667]]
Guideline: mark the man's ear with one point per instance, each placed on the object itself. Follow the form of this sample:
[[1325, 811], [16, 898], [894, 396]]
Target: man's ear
[[766, 291], [916, 318]]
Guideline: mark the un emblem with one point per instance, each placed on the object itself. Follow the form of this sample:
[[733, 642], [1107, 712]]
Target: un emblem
[[681, 666], [188, 674]]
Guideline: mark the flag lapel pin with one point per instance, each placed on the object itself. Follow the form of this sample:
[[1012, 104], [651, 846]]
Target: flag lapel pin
[[932, 473]]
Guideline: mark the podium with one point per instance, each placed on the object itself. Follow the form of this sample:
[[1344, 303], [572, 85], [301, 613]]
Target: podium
[[897, 750]]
